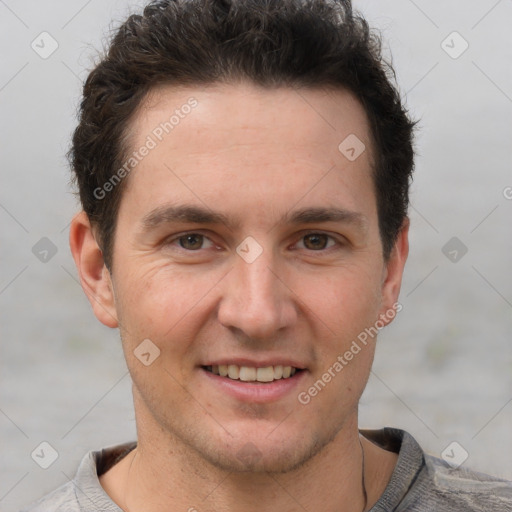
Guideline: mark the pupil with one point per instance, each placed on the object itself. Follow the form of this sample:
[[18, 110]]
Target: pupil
[[316, 241], [191, 241]]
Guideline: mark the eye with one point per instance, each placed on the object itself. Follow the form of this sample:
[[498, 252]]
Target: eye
[[316, 241], [194, 242]]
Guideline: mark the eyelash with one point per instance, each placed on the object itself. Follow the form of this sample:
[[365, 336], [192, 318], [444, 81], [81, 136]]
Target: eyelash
[[176, 239]]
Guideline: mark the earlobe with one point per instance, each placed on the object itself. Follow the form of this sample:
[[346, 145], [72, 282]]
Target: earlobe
[[394, 269], [94, 276]]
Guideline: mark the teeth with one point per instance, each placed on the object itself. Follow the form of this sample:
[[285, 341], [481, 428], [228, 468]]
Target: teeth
[[247, 374], [233, 371], [265, 374], [251, 374]]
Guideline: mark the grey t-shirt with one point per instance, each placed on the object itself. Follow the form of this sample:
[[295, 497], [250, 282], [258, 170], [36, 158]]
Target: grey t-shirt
[[419, 483]]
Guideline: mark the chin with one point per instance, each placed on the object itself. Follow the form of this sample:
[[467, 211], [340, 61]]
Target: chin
[[256, 454]]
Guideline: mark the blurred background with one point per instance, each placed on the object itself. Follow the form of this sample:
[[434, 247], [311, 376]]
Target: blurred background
[[443, 369]]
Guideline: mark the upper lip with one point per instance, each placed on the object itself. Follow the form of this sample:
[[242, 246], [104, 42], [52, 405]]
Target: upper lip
[[260, 363]]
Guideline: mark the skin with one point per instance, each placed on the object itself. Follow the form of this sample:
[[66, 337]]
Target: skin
[[256, 156]]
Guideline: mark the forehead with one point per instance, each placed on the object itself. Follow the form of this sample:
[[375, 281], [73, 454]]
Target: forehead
[[242, 109], [249, 139]]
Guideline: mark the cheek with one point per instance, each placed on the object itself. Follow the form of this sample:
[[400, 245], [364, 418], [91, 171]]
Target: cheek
[[345, 301], [342, 311], [163, 308], [163, 304]]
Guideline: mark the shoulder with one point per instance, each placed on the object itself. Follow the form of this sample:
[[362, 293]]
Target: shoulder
[[422, 483], [440, 486], [462, 489], [61, 499], [85, 492]]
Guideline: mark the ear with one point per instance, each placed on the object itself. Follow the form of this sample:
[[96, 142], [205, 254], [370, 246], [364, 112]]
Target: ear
[[392, 276], [94, 276]]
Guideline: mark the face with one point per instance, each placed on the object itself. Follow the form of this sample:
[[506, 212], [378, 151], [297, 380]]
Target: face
[[247, 242]]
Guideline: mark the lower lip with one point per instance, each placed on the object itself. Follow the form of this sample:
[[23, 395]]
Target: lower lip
[[255, 392]]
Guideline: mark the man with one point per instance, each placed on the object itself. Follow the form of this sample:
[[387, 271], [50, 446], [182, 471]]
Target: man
[[243, 168]]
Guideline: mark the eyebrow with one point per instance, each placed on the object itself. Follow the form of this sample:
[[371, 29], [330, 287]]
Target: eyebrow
[[317, 215], [184, 213], [201, 215]]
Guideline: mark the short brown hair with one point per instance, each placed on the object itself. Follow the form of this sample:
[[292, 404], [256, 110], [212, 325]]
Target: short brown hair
[[272, 43]]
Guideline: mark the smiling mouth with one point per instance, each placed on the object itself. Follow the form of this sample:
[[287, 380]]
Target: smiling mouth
[[251, 374]]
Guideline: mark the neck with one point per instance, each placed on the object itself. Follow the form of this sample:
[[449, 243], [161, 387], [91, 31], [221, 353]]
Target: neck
[[164, 473], [179, 481]]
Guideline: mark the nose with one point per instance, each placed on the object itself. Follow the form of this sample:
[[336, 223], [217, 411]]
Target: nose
[[256, 300]]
